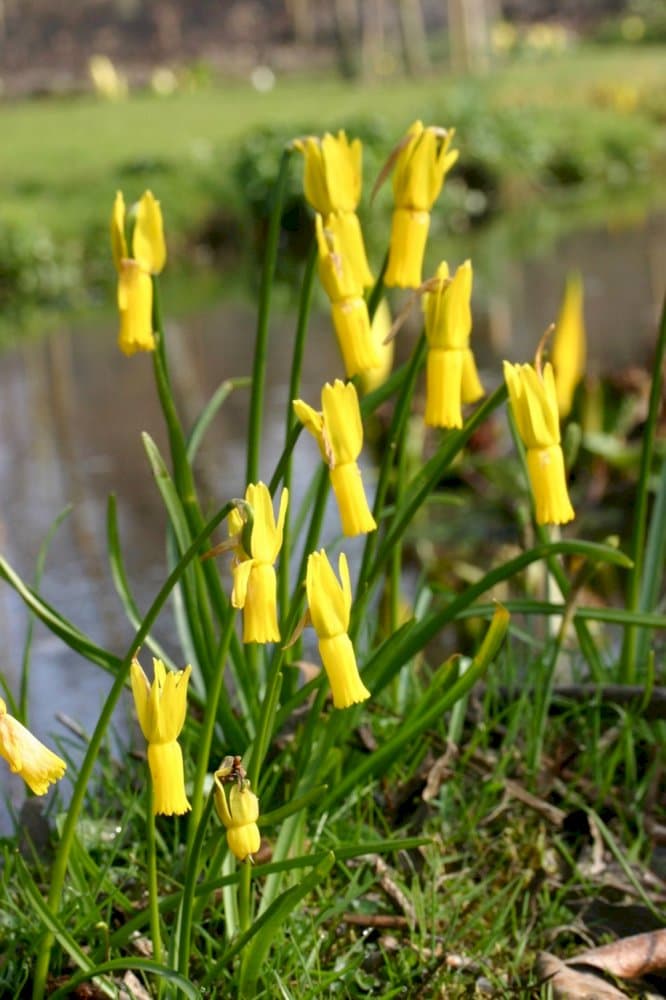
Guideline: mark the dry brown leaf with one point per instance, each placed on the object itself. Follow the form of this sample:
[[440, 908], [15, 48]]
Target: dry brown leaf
[[570, 984], [630, 957]]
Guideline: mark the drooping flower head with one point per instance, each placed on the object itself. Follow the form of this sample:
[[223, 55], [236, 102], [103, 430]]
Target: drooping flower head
[[259, 542], [161, 708], [569, 348], [343, 284], [338, 430], [332, 182], [147, 256], [533, 399], [422, 161], [452, 378], [239, 813], [38, 766], [330, 603]]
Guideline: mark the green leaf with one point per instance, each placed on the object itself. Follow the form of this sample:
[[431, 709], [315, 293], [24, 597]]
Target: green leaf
[[207, 415], [162, 972]]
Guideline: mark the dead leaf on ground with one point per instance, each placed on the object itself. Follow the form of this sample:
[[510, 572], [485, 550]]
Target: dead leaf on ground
[[631, 957], [571, 984]]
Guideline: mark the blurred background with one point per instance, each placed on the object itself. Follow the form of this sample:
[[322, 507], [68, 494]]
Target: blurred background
[[560, 117]]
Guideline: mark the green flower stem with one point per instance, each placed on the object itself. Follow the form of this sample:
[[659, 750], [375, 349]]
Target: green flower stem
[[396, 434], [60, 864], [191, 874], [153, 891], [182, 469], [628, 669], [261, 343], [587, 644], [208, 727], [290, 417], [245, 896], [377, 289]]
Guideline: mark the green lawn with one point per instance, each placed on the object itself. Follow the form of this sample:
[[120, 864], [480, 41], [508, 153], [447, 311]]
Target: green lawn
[[62, 159]]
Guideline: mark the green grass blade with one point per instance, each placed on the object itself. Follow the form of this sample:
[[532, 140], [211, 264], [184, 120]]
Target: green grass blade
[[209, 411], [411, 728], [653, 569], [120, 580], [161, 972], [630, 647]]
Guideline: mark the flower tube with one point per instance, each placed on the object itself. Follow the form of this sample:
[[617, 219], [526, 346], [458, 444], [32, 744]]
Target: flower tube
[[259, 542], [330, 606], [344, 287], [338, 431], [37, 765], [148, 257], [161, 708], [533, 399], [421, 163], [332, 182], [451, 375]]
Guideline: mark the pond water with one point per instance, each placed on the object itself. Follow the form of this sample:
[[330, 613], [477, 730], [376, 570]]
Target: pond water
[[72, 409]]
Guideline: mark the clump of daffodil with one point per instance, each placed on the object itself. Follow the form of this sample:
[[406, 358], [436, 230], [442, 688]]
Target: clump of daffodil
[[161, 708], [451, 377], [338, 431], [332, 182], [136, 259], [259, 540], [330, 605], [421, 162], [344, 286], [568, 354], [38, 766], [239, 812], [533, 400]]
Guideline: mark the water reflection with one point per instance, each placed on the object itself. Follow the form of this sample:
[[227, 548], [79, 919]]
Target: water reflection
[[72, 407]]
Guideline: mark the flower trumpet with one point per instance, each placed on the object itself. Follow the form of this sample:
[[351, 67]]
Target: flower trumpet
[[38, 766]]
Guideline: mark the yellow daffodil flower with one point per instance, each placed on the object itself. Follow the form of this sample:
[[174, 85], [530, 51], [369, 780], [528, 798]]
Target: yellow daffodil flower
[[37, 765], [338, 431], [332, 182], [533, 399], [161, 708], [568, 354], [147, 257], [344, 287], [330, 607], [259, 542], [379, 329], [421, 163], [239, 815], [451, 376]]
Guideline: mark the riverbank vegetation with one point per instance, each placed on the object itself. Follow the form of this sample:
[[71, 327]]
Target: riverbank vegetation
[[555, 132], [458, 745]]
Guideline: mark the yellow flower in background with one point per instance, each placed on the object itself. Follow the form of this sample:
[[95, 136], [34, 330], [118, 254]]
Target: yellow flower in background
[[330, 606], [147, 257], [380, 328], [569, 348], [421, 163], [338, 430], [344, 286], [451, 376], [533, 399], [38, 766], [239, 815], [259, 542], [332, 182], [161, 708]]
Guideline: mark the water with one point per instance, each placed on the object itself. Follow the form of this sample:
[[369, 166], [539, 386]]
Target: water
[[72, 409]]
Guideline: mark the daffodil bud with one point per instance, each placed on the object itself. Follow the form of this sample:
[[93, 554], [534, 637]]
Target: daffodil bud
[[239, 814]]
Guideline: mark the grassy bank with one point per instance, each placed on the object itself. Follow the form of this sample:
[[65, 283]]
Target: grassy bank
[[574, 124]]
